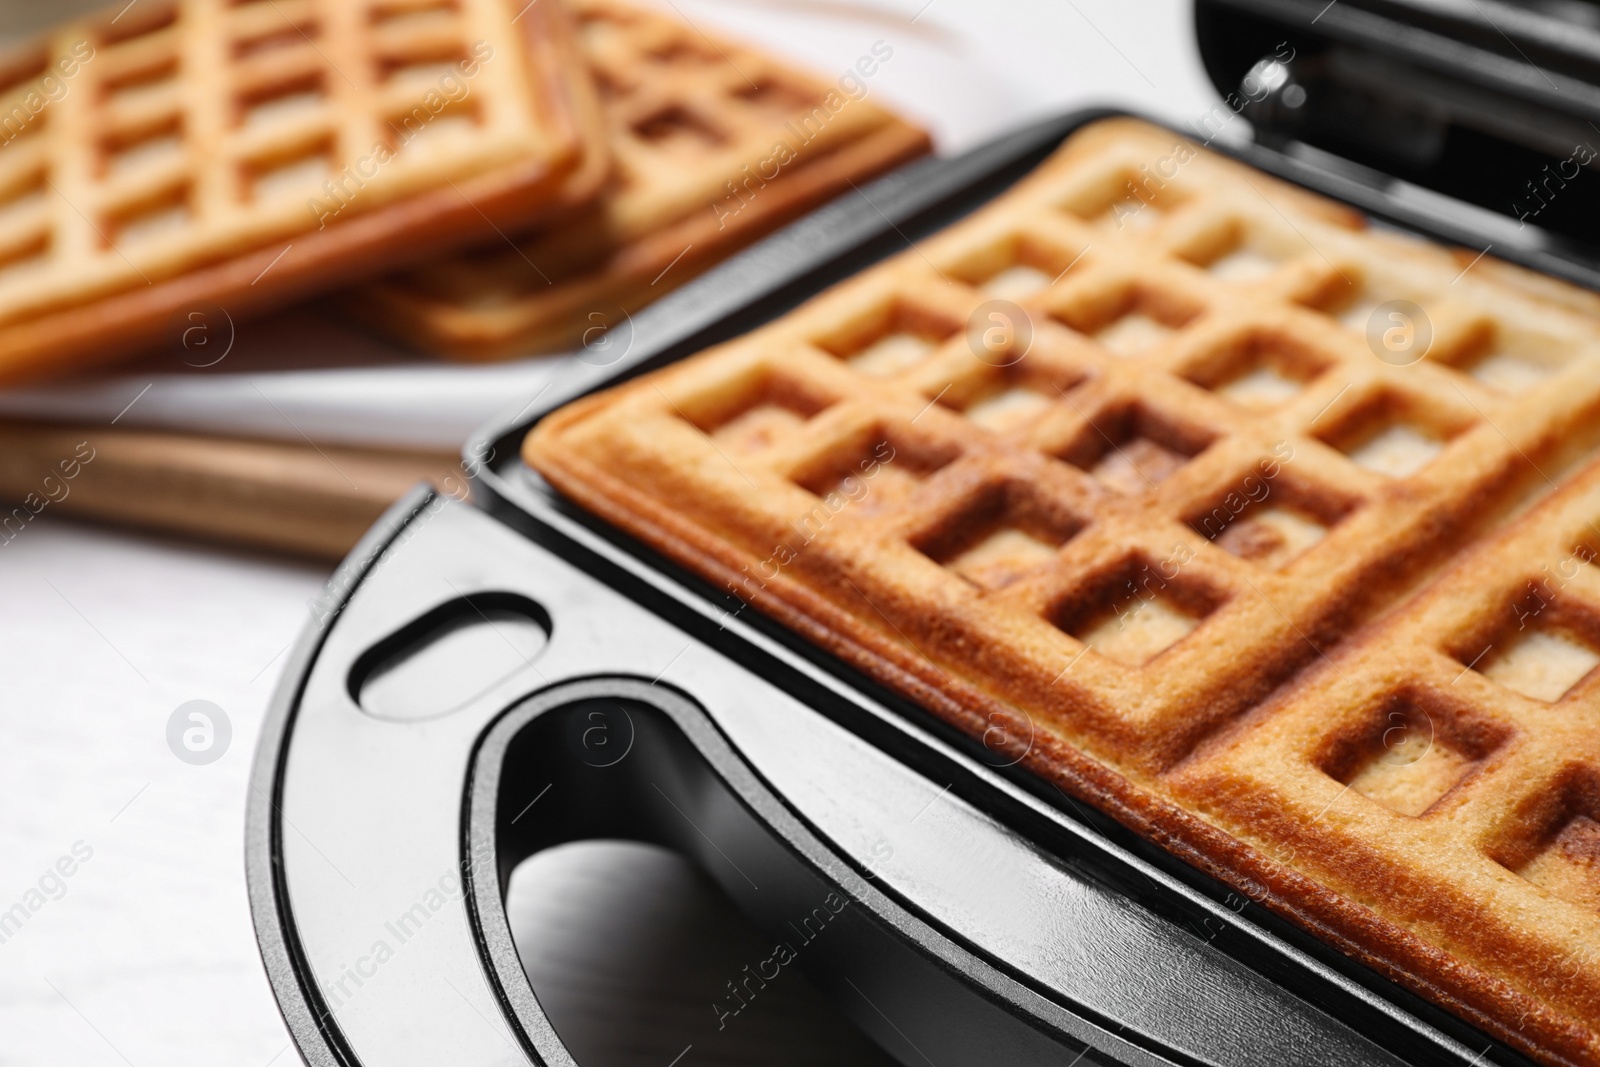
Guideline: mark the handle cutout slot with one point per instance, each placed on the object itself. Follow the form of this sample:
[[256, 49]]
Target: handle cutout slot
[[445, 659]]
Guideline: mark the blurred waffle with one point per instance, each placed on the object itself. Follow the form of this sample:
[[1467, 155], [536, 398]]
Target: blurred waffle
[[173, 156], [714, 145], [1258, 530]]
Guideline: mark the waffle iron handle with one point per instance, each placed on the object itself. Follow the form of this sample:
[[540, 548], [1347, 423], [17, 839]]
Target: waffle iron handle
[[622, 758]]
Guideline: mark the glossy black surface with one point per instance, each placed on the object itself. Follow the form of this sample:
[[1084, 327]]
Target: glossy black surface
[[1491, 104]]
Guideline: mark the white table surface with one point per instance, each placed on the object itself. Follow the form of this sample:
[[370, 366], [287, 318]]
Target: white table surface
[[149, 957]]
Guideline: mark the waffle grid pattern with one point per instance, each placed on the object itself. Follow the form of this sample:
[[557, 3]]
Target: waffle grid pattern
[[1149, 538], [713, 144], [200, 129], [1461, 734]]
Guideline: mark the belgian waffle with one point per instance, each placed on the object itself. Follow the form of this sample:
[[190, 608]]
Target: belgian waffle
[[1167, 531], [171, 157], [714, 145]]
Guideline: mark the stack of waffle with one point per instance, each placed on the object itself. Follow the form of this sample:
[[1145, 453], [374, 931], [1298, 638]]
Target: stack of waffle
[[1274, 537], [171, 158], [713, 145]]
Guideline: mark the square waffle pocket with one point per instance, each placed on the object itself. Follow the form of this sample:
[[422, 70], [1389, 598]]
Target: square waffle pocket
[[714, 145], [1269, 535], [173, 158]]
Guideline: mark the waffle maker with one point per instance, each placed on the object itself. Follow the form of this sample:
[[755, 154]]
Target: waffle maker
[[483, 680]]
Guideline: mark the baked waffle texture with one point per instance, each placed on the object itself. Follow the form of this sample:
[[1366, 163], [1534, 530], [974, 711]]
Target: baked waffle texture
[[170, 157], [1169, 533], [714, 145]]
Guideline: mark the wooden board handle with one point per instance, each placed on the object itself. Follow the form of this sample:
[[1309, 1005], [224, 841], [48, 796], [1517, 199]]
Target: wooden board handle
[[306, 499]]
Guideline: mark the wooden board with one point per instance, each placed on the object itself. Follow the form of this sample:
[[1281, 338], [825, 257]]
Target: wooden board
[[305, 499]]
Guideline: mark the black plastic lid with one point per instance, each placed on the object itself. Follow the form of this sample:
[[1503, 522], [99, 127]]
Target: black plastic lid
[[1489, 102]]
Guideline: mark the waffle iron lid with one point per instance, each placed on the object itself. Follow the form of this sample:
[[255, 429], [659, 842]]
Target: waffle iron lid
[[1495, 103]]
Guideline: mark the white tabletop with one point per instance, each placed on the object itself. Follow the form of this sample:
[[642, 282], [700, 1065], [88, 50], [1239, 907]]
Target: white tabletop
[[145, 955]]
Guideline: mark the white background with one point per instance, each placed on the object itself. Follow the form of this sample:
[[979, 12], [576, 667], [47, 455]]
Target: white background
[[149, 958]]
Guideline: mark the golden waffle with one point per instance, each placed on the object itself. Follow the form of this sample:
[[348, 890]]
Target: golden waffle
[[1321, 623], [178, 155], [714, 145]]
